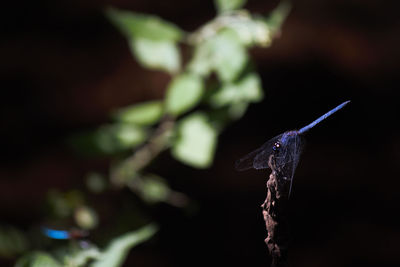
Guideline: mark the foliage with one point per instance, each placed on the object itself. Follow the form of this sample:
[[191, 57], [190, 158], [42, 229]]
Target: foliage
[[119, 247], [85, 253], [183, 93], [12, 241], [214, 88]]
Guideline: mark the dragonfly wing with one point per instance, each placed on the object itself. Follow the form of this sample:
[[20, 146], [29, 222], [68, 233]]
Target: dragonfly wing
[[299, 144], [246, 162], [258, 159], [288, 157], [262, 158]]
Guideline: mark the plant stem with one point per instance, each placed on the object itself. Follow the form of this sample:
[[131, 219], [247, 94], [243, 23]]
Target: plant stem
[[159, 141], [274, 210]]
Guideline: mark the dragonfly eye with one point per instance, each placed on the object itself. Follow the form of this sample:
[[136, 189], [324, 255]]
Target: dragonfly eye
[[277, 145]]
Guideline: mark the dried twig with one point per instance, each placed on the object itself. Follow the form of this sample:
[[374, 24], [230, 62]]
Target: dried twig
[[275, 215]]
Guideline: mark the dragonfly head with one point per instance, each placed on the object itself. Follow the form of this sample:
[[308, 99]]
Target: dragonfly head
[[276, 146]]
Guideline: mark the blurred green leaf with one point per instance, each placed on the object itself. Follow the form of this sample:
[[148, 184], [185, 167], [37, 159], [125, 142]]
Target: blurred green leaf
[[114, 255], [123, 172], [109, 139], [63, 204], [145, 113], [96, 182], [12, 241], [118, 137], [251, 31], [86, 218], [237, 110], [248, 89], [202, 63], [278, 16], [222, 116], [227, 5], [81, 257], [37, 259], [230, 56], [153, 188], [134, 25], [224, 54], [196, 141], [183, 93], [158, 55]]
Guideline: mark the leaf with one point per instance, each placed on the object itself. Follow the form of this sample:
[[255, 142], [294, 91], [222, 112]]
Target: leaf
[[153, 188], [62, 204], [108, 139], [12, 241], [86, 218], [202, 63], [230, 57], [82, 256], [248, 89], [158, 55], [96, 182], [145, 113], [278, 16], [196, 141], [227, 5], [116, 252], [183, 93], [251, 31], [118, 137], [37, 259], [237, 110], [143, 26], [224, 54], [151, 39]]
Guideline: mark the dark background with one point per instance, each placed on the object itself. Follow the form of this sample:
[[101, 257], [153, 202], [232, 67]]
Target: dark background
[[63, 68]]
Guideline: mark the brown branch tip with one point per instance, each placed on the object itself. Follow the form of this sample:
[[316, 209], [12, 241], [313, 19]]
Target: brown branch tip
[[274, 211]]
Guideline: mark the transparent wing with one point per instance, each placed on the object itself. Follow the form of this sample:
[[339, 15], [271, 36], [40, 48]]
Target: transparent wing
[[258, 159], [288, 156]]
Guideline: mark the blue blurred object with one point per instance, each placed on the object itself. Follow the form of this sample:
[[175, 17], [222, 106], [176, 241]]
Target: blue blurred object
[[64, 234], [55, 234], [285, 147]]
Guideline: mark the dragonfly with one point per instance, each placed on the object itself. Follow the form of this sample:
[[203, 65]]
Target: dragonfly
[[64, 234], [286, 148]]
